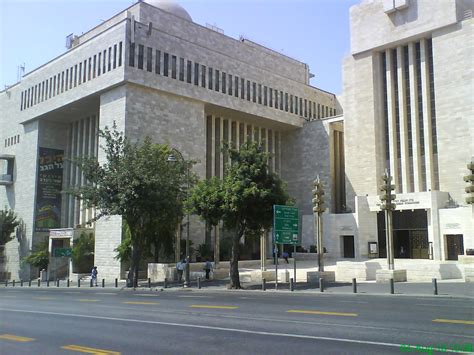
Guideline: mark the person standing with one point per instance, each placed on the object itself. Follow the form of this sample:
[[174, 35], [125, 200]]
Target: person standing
[[285, 256], [94, 273], [207, 268], [179, 268]]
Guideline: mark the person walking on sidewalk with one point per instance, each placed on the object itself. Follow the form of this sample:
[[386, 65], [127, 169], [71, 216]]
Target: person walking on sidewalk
[[285, 256], [179, 268], [207, 268], [94, 273]]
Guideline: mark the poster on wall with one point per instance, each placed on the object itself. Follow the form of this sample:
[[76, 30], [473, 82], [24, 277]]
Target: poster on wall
[[49, 186]]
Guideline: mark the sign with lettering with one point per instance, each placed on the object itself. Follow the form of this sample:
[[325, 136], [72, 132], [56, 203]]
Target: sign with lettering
[[285, 224], [48, 189]]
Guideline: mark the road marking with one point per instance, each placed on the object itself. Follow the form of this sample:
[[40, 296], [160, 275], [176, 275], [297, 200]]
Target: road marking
[[44, 298], [145, 295], [454, 321], [132, 302], [342, 314], [6, 296], [234, 330], [105, 293], [185, 296], [352, 302], [86, 300], [83, 349], [15, 338], [214, 307]]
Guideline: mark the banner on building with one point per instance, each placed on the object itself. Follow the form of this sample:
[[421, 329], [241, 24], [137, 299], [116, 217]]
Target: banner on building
[[49, 186]]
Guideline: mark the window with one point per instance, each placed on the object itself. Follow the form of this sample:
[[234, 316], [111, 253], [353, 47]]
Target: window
[[75, 80], [196, 74], [291, 103], [94, 66], [254, 92], [319, 111], [296, 105], [286, 101], [305, 108], [281, 100], [216, 87], [149, 59], [131, 58], [242, 88], [210, 82], [140, 57], [166, 58], [224, 84], [173, 66], [84, 71], [270, 96], [80, 73], [276, 99], [98, 63], [248, 90], [119, 55], [115, 56], [89, 69], [230, 91], [67, 82], [105, 61], [309, 104], [236, 94], [181, 69], [203, 76], [21, 103], [157, 62], [109, 66], [265, 95], [260, 94]]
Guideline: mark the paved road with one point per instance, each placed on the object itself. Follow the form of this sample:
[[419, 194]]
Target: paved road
[[182, 321]]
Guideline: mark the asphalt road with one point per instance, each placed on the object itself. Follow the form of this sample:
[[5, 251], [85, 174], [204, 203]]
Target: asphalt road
[[182, 321]]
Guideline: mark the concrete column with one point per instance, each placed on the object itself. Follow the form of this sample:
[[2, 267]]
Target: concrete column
[[392, 129], [402, 107], [425, 88], [213, 146], [221, 155], [237, 134], [415, 129]]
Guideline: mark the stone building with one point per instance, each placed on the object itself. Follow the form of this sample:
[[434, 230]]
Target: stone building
[[154, 72]]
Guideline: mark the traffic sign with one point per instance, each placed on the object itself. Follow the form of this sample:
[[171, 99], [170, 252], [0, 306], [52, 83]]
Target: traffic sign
[[59, 252], [285, 224]]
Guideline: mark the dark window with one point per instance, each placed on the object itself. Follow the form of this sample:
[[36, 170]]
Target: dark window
[[89, 69], [224, 84], [80, 73], [254, 92], [236, 79], [196, 74], [306, 108], [281, 100], [210, 81], [230, 91], [173, 66], [157, 62], [99, 57], [189, 71], [94, 66], [265, 95], [242, 88], [270, 96], [216, 87], [276, 99], [105, 61], [115, 56], [181, 69], [296, 105], [248, 90], [109, 66], [310, 105], [131, 58], [260, 94], [286, 101], [319, 111], [119, 55], [166, 59], [140, 56], [21, 102], [291, 103], [203, 76], [67, 81], [149, 59], [75, 80]]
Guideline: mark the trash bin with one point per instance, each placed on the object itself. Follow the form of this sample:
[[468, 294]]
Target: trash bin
[[43, 275]]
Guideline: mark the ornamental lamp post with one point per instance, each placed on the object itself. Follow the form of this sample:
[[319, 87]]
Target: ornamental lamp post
[[318, 209], [172, 159], [388, 206]]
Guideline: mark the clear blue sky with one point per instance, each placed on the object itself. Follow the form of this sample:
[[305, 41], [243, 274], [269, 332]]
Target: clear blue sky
[[313, 31]]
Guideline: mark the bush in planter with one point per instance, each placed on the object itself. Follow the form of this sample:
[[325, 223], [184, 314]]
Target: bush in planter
[[39, 256]]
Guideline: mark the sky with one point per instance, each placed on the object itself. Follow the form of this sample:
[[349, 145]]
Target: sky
[[315, 32]]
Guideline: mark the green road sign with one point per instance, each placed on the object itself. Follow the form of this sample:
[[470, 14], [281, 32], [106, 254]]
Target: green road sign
[[285, 224], [58, 252]]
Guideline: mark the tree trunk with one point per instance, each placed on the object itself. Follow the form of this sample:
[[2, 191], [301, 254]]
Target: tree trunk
[[234, 261], [134, 264]]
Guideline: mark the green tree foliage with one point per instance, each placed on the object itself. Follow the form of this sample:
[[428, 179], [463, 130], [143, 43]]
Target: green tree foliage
[[244, 199], [83, 253], [39, 256], [8, 223], [137, 182]]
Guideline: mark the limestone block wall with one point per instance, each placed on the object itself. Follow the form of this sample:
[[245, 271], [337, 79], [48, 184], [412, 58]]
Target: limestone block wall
[[453, 55]]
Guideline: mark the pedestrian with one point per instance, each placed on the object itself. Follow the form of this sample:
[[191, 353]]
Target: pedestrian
[[285, 256], [179, 268], [94, 273], [207, 268]]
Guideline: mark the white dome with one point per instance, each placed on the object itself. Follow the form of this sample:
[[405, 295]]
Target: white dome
[[172, 7]]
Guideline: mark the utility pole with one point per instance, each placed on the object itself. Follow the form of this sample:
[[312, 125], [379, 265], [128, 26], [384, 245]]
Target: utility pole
[[318, 209], [388, 206]]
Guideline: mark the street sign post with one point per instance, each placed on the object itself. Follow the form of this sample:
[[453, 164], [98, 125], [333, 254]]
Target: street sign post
[[62, 252], [286, 227]]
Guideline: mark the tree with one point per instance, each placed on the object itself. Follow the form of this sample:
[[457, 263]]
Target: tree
[[244, 199], [39, 256], [136, 182], [8, 223], [83, 253]]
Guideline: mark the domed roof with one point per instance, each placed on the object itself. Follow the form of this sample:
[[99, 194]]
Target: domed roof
[[172, 7]]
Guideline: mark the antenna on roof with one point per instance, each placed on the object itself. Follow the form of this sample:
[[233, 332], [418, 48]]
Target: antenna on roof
[[20, 71]]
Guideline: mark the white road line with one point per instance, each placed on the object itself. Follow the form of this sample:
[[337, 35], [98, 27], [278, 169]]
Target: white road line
[[194, 297], [144, 295], [105, 293], [223, 329]]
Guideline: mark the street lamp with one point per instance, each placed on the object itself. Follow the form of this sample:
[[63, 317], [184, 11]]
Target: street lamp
[[387, 204], [172, 159], [318, 210]]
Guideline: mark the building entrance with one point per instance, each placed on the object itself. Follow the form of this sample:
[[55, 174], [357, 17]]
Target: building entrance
[[455, 246], [410, 234], [348, 246]]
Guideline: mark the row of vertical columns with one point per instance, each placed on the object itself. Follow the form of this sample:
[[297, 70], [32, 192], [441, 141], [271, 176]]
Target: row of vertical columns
[[396, 81]]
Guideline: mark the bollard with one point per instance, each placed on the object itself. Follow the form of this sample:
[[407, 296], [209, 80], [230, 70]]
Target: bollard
[[321, 285], [435, 286], [91, 282], [354, 285], [292, 285], [47, 283], [199, 283], [57, 283], [166, 283], [6, 283], [13, 283], [21, 283], [29, 283], [264, 284], [103, 283], [68, 281], [116, 283], [39, 282], [392, 287], [78, 282], [149, 283]]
